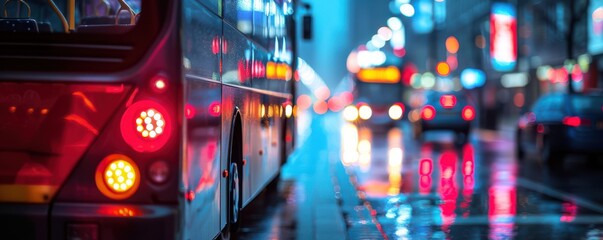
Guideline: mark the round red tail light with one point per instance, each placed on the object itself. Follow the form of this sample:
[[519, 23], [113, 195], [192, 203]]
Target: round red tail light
[[146, 126], [428, 113], [468, 113]]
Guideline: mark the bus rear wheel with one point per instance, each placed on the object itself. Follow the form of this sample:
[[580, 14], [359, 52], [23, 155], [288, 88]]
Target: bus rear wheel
[[234, 199]]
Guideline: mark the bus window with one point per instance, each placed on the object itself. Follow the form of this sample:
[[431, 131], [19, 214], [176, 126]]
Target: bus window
[[69, 16]]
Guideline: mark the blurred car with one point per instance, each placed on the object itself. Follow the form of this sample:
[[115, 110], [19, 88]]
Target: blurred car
[[445, 111], [559, 124]]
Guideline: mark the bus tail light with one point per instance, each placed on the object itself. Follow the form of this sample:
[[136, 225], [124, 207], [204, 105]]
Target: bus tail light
[[145, 126], [428, 113], [468, 113], [448, 101], [117, 176], [396, 111]]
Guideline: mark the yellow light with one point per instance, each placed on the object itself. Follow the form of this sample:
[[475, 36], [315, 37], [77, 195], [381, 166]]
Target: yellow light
[[271, 70], [364, 146], [395, 112], [350, 113], [365, 112], [117, 176], [288, 111], [379, 75], [443, 69]]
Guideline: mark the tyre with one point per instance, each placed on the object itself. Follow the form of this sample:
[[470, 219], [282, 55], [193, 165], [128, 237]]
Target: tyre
[[235, 201]]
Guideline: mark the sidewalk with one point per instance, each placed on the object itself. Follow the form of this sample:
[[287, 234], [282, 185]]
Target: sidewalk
[[328, 205]]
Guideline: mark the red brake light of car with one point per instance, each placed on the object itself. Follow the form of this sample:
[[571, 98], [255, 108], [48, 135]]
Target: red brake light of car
[[448, 101], [428, 113], [468, 113], [575, 121], [146, 126]]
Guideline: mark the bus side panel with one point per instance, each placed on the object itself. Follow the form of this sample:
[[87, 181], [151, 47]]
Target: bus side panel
[[201, 169], [262, 136]]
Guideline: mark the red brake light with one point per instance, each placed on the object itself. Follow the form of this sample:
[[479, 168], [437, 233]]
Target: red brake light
[[428, 113], [215, 109], [448, 101], [146, 126], [468, 113], [574, 121]]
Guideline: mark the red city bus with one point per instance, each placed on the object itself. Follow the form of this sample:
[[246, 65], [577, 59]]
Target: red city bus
[[124, 119]]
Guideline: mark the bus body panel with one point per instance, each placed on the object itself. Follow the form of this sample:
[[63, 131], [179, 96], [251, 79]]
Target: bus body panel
[[201, 162]]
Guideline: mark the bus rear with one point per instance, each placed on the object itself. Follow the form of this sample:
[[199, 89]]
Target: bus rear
[[90, 119]]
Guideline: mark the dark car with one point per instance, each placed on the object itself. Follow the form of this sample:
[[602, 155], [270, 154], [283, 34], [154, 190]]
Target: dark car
[[559, 124], [445, 111]]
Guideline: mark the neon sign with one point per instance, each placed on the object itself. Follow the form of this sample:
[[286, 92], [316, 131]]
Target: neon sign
[[503, 37]]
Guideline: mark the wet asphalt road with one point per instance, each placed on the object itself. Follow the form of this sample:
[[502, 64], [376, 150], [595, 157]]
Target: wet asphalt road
[[436, 189]]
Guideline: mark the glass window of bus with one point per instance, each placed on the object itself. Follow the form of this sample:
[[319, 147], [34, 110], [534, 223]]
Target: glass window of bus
[[213, 5], [70, 16], [238, 13]]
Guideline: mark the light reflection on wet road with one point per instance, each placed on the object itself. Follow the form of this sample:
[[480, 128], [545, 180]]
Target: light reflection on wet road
[[436, 189]]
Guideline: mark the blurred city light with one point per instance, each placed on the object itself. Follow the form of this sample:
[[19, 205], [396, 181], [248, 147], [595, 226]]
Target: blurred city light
[[367, 59], [395, 111], [452, 45], [503, 36], [443, 69], [385, 33], [428, 80], [511, 80], [472, 78], [407, 10], [394, 23], [422, 22], [350, 113], [365, 112]]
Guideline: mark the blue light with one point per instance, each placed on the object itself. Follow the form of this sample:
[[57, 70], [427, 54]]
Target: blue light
[[472, 78]]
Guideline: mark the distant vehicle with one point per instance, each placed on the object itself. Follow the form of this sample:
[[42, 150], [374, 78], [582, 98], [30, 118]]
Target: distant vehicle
[[445, 111], [559, 124], [141, 119], [377, 96]]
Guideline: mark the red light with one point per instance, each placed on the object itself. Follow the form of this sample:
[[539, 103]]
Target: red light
[[448, 101], [146, 126], [304, 101], [189, 111], [428, 113], [468, 113], [540, 128], [321, 107], [159, 84], [574, 121], [425, 167], [215, 45], [215, 109]]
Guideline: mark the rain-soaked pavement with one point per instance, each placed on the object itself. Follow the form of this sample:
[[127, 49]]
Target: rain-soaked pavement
[[436, 189]]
